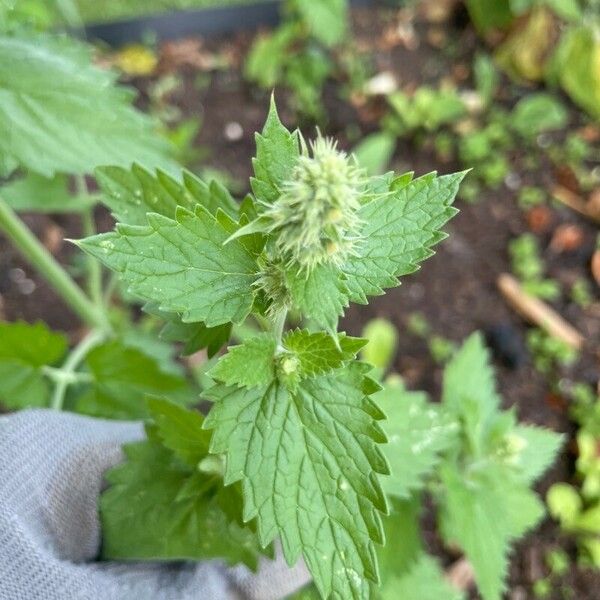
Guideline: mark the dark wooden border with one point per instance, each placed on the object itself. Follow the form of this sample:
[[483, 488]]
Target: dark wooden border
[[205, 22]]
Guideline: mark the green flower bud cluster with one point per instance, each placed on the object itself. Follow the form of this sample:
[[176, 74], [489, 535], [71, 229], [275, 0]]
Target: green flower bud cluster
[[315, 220]]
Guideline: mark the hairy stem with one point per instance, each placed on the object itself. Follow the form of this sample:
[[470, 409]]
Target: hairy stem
[[49, 268], [67, 372], [278, 325], [94, 268]]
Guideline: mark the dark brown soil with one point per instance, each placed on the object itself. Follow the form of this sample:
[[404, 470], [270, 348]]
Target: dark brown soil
[[456, 289]]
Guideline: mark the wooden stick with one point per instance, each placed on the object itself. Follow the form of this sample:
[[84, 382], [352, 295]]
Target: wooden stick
[[538, 312], [575, 202]]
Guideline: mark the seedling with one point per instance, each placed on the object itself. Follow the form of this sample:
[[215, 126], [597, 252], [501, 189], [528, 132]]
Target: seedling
[[527, 265]]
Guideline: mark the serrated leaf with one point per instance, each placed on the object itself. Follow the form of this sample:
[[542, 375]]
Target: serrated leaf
[[277, 151], [169, 512], [122, 377], [196, 336], [418, 433], [250, 364], [540, 447], [182, 265], [319, 352], [424, 580], [132, 193], [327, 20], [34, 193], [60, 113], [320, 295], [312, 476], [484, 512], [24, 350], [400, 229], [180, 430], [469, 390]]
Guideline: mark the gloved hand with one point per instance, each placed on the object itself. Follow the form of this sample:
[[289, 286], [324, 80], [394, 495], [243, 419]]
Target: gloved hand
[[51, 467]]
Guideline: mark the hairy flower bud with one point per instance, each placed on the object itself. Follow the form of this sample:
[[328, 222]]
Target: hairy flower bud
[[315, 219]]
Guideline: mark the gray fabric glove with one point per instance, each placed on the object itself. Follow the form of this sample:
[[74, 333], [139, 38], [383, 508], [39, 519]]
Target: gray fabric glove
[[51, 467]]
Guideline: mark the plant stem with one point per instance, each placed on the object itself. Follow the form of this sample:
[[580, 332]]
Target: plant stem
[[49, 268], [67, 376], [94, 274], [278, 325]]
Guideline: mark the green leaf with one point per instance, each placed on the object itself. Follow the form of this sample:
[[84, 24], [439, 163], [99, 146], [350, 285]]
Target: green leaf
[[267, 57], [537, 113], [250, 364], [132, 193], [24, 350], [423, 580], [469, 391], [168, 512], [375, 151], [122, 377], [180, 430], [60, 113], [182, 265], [418, 433], [574, 65], [484, 513], [319, 295], [327, 20], [308, 461], [34, 193], [196, 336], [319, 353], [539, 449], [400, 229], [277, 151]]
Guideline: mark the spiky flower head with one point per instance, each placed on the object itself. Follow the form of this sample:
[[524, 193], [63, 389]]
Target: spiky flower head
[[315, 220]]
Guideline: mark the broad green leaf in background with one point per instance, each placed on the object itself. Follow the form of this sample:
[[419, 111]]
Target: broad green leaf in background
[[182, 265], [525, 51], [60, 113], [169, 511], [122, 377], [537, 450], [269, 54], [35, 193], [423, 580], [538, 113], [576, 66], [132, 193], [400, 229], [418, 433], [312, 478], [277, 151], [490, 14], [24, 350], [484, 513], [375, 151], [485, 500], [469, 391], [327, 20], [250, 364], [195, 336]]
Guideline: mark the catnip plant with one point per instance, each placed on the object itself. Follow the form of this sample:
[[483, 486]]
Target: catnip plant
[[292, 431]]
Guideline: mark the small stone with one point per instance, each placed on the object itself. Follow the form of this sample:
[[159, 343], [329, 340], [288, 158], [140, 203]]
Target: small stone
[[234, 132]]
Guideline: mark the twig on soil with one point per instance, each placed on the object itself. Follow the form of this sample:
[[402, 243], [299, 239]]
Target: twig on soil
[[460, 574], [538, 312], [575, 202]]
